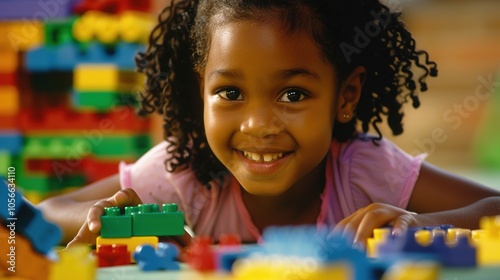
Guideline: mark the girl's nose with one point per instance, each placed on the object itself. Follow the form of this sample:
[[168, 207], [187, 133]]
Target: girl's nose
[[261, 123]]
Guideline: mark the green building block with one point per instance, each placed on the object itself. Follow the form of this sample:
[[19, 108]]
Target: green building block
[[149, 221], [59, 31], [96, 142], [121, 145], [116, 225], [44, 185], [102, 101], [5, 162], [56, 147]]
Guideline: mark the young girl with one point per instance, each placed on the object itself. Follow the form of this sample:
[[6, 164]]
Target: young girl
[[260, 101]]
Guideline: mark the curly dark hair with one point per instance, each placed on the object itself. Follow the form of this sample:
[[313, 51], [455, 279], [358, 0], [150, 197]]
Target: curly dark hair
[[350, 33]]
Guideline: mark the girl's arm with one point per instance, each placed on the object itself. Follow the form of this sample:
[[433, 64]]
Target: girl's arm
[[69, 211], [438, 198]]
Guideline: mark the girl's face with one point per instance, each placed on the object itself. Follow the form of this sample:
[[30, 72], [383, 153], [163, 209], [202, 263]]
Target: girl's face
[[269, 104]]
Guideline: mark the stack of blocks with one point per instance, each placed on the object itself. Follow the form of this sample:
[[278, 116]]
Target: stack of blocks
[[67, 91], [138, 225]]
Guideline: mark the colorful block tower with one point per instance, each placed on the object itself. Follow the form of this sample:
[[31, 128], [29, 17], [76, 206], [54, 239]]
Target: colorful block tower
[[67, 91]]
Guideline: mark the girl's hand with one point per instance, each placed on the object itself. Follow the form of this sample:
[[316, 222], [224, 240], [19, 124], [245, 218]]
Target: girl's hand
[[362, 222], [92, 226]]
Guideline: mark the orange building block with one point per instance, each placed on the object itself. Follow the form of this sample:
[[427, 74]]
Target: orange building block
[[18, 259], [9, 101]]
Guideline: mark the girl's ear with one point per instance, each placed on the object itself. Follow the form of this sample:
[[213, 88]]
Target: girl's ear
[[349, 94]]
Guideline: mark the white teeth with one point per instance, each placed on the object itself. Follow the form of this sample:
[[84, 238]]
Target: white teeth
[[262, 157], [255, 156], [268, 157]]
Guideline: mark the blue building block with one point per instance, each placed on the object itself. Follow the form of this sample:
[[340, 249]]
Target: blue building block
[[19, 215], [309, 241], [11, 141], [66, 56], [461, 254], [164, 258], [36, 10]]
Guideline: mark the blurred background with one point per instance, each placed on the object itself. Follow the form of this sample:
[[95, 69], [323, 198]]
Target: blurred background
[[67, 86]]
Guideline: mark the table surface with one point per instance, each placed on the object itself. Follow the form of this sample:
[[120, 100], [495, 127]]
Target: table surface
[[132, 272]]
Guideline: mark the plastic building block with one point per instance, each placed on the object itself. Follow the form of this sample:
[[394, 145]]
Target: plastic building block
[[66, 56], [10, 122], [9, 62], [201, 256], [58, 32], [115, 224], [101, 101], [163, 258], [131, 242], [122, 145], [91, 168], [20, 35], [106, 78], [119, 120], [8, 79], [21, 216], [46, 186], [422, 270], [5, 162], [74, 263], [112, 255], [150, 221], [488, 244], [458, 254], [132, 27], [56, 147], [9, 100], [11, 141], [89, 142], [18, 259], [112, 6], [35, 10]]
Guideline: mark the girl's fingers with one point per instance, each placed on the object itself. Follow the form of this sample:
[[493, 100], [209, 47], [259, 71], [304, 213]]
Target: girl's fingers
[[125, 197]]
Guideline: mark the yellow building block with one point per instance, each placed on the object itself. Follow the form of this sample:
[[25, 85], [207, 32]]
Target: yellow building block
[[9, 101], [278, 267], [380, 235], [106, 77], [76, 263], [488, 242], [131, 242], [21, 35], [422, 270], [423, 237], [135, 27], [132, 27]]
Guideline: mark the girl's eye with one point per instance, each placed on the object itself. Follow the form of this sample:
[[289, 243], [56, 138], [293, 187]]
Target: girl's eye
[[293, 95], [230, 94]]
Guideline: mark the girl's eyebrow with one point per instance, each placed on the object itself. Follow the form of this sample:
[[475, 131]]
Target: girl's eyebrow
[[290, 73], [281, 74], [227, 73]]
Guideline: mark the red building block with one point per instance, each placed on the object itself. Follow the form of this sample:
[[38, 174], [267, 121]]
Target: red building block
[[200, 255], [8, 79], [60, 118], [112, 6], [112, 255]]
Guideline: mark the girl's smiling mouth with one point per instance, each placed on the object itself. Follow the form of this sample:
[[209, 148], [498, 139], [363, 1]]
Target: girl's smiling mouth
[[268, 157]]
